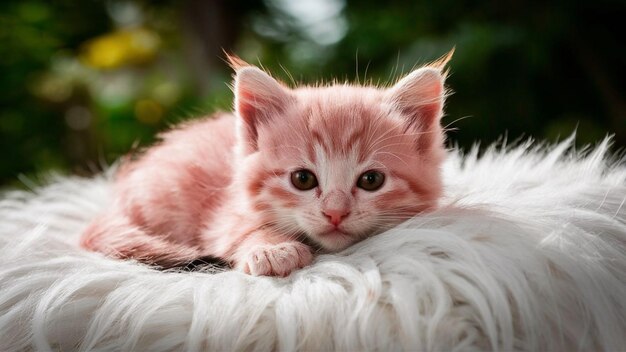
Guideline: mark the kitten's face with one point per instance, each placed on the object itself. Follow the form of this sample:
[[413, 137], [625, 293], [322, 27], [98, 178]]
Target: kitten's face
[[340, 163]]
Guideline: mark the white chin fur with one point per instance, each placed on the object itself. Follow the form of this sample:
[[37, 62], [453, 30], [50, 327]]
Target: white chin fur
[[334, 241]]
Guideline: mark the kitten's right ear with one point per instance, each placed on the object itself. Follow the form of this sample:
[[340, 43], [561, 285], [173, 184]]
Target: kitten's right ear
[[235, 61], [258, 97], [421, 94]]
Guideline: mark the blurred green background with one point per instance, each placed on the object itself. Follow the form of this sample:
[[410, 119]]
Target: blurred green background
[[83, 82]]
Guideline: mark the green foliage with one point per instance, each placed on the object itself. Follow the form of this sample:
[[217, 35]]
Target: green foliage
[[85, 81]]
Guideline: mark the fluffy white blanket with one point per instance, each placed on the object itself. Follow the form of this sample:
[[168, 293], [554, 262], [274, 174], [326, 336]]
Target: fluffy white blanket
[[527, 253]]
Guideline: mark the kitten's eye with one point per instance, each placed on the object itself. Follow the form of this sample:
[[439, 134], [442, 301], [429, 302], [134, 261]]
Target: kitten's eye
[[371, 180], [303, 180]]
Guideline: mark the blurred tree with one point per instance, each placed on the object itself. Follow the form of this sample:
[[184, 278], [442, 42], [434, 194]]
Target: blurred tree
[[83, 82], [524, 69], [31, 33], [210, 29]]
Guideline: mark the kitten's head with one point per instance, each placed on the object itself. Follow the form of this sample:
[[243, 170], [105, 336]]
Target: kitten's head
[[338, 163]]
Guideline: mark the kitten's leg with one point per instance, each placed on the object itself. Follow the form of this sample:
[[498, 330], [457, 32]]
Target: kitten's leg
[[266, 253], [114, 235]]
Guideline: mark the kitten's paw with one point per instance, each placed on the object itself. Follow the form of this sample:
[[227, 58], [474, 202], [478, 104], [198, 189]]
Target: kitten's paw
[[277, 260]]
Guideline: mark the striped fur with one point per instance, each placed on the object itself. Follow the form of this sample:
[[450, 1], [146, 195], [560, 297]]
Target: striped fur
[[221, 186]]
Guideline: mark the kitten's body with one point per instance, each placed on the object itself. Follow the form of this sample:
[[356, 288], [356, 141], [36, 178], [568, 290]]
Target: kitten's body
[[224, 186]]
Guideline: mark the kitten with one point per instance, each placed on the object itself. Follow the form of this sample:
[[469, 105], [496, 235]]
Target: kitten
[[291, 169]]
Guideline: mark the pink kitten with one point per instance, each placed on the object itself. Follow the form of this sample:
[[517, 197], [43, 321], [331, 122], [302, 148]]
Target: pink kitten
[[325, 165]]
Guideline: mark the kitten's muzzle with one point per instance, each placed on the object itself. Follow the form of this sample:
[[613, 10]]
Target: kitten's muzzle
[[335, 216], [336, 207]]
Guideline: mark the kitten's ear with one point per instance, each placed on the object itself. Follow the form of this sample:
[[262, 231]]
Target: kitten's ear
[[235, 62], [258, 97], [420, 96]]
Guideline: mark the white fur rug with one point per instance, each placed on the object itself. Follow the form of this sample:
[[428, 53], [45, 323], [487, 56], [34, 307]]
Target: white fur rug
[[528, 253]]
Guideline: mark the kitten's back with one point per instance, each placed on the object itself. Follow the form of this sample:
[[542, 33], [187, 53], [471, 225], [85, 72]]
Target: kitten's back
[[176, 185]]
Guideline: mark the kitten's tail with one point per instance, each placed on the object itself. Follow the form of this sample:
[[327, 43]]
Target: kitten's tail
[[114, 236]]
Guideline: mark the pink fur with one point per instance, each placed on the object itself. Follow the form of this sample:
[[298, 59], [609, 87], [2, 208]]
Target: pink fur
[[221, 186]]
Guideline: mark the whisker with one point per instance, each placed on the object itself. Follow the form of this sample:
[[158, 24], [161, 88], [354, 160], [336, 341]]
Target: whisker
[[397, 157], [457, 120], [415, 134]]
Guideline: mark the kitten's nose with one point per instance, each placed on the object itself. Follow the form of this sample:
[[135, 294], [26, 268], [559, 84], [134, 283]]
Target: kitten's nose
[[335, 215]]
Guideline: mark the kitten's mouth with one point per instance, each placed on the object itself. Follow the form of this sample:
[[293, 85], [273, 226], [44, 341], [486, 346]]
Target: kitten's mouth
[[336, 232], [335, 239]]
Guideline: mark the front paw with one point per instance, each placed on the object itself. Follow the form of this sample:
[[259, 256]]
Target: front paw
[[276, 259]]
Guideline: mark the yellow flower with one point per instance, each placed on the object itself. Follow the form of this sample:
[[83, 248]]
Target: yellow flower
[[120, 48]]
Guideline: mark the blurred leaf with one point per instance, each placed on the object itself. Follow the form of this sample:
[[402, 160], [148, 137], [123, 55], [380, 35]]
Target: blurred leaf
[[84, 82]]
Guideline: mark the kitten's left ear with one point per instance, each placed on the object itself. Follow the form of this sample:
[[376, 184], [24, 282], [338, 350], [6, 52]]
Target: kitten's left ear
[[420, 96], [258, 98]]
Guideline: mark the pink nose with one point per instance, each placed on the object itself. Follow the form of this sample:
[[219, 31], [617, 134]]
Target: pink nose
[[335, 215]]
